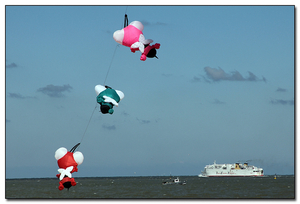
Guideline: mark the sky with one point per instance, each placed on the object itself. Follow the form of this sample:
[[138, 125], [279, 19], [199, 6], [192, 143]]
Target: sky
[[222, 89]]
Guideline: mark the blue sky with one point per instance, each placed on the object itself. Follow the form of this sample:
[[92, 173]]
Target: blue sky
[[222, 89]]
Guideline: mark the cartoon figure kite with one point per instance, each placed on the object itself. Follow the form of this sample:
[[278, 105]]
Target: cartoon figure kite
[[67, 162], [107, 98], [132, 36]]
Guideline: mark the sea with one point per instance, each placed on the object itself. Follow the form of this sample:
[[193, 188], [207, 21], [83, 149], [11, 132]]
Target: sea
[[266, 187]]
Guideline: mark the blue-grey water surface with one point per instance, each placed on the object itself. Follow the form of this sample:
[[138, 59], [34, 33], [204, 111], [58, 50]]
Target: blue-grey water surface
[[151, 187]]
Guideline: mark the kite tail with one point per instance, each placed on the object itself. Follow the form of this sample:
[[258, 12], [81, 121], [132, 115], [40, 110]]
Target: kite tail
[[73, 149]]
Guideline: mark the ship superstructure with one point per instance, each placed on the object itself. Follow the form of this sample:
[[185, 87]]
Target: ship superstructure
[[231, 170]]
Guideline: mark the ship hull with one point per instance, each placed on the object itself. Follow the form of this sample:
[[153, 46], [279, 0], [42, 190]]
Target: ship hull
[[231, 170], [231, 175]]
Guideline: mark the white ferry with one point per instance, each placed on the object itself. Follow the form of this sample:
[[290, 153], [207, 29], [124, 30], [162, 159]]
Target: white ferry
[[231, 170]]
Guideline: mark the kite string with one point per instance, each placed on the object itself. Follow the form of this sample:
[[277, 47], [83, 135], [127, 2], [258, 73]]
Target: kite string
[[96, 103], [110, 63], [126, 9], [104, 84], [88, 123], [125, 22]]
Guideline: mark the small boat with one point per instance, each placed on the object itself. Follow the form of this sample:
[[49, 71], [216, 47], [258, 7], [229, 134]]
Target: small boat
[[174, 181]]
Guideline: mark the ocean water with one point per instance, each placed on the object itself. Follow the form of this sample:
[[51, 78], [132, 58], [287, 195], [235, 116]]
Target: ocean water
[[151, 187]]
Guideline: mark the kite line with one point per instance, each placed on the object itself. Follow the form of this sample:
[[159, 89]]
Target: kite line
[[110, 64], [125, 25], [109, 67]]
